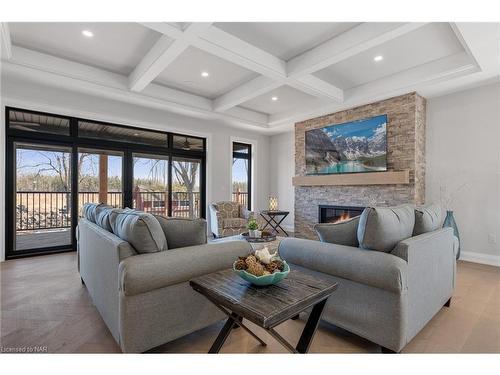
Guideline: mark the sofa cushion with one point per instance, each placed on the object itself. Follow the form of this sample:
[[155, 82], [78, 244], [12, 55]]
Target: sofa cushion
[[91, 210], [381, 228], [183, 232], [106, 217], [427, 219], [234, 223], [140, 229], [342, 233]]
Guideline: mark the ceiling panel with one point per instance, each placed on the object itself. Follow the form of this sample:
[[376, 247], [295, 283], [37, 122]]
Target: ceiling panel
[[117, 47], [288, 99], [285, 39], [429, 43], [185, 74]]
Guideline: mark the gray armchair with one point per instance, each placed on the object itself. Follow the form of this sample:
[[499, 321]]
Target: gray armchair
[[228, 218], [389, 290]]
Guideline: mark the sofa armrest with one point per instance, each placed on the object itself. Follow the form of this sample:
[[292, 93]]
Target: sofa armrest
[[215, 220], [373, 268], [146, 272], [431, 275], [432, 254], [343, 233]]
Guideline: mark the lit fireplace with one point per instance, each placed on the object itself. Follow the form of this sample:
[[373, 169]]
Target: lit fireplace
[[337, 214]]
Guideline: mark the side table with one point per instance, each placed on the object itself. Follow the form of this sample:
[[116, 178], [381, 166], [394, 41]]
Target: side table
[[274, 219]]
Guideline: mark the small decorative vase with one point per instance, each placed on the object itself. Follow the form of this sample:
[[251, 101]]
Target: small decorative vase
[[251, 233], [449, 222], [258, 233]]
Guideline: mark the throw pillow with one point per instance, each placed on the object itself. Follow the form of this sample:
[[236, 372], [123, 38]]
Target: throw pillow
[[427, 219], [183, 232], [140, 229], [381, 228]]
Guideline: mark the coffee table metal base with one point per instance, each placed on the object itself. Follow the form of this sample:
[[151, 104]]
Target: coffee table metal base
[[305, 339]]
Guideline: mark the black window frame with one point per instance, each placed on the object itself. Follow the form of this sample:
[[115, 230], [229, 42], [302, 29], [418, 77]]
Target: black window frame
[[247, 156], [76, 142]]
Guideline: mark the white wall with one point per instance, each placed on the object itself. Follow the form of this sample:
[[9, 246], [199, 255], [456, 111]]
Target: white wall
[[24, 94], [463, 147], [282, 169]]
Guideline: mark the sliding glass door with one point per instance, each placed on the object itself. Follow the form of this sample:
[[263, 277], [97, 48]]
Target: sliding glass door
[[42, 196], [150, 189], [186, 187], [56, 164], [100, 177]]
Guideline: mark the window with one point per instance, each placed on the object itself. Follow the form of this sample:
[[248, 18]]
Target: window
[[182, 142], [56, 164], [38, 123], [242, 174], [186, 187], [97, 130], [100, 177], [150, 191]]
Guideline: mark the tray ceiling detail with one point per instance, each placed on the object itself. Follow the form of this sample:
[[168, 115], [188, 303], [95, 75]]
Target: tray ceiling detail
[[263, 75]]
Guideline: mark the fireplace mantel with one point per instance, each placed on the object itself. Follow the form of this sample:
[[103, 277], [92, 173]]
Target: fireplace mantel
[[370, 178]]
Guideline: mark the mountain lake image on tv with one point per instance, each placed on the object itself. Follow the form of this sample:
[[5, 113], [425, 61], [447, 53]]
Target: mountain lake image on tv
[[352, 147]]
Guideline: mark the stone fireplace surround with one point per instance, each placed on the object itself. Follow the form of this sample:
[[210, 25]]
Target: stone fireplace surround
[[405, 151]]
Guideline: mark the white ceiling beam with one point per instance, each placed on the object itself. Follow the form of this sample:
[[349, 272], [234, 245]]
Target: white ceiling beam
[[224, 45], [171, 30], [481, 40], [431, 73], [261, 85], [65, 74], [352, 42], [230, 48], [312, 85], [162, 54], [6, 43], [245, 92]]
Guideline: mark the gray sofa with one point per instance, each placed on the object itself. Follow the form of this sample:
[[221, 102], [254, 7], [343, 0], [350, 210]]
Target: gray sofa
[[395, 267], [136, 268]]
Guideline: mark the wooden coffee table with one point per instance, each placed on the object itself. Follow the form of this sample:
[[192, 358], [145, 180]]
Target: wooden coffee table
[[267, 306]]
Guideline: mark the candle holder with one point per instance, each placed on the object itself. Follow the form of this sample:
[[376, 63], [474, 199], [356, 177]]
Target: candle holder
[[273, 203]]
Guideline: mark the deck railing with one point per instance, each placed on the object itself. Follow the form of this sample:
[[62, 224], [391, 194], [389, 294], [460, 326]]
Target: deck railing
[[241, 198], [37, 210], [50, 210]]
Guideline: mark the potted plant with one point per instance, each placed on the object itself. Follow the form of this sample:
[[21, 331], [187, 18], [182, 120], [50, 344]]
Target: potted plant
[[253, 228]]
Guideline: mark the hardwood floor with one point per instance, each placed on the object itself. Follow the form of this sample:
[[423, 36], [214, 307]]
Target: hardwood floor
[[44, 304]]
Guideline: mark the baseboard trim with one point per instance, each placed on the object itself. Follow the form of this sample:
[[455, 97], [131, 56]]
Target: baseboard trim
[[469, 256]]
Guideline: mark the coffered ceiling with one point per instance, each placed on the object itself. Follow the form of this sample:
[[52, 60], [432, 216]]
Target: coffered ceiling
[[264, 75]]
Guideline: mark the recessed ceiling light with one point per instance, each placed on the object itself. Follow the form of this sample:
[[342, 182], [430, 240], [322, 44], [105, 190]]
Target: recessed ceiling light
[[378, 58], [87, 33], [136, 134], [204, 74], [274, 98]]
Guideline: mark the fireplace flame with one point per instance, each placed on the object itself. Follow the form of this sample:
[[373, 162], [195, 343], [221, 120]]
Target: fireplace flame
[[343, 217]]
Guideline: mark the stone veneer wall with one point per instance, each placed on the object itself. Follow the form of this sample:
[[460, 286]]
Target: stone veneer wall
[[405, 150]]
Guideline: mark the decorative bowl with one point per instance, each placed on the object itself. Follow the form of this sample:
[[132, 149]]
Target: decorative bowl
[[264, 280]]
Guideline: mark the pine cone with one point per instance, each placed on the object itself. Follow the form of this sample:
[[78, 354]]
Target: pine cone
[[272, 267], [276, 265], [240, 264], [253, 266]]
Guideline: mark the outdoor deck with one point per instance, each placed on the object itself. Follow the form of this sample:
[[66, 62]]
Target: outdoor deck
[[42, 238]]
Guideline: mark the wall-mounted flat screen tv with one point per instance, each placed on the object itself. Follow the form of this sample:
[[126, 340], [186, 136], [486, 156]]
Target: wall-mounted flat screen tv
[[352, 147]]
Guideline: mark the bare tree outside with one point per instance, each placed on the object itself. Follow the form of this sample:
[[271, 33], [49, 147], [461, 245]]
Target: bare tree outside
[[186, 173]]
